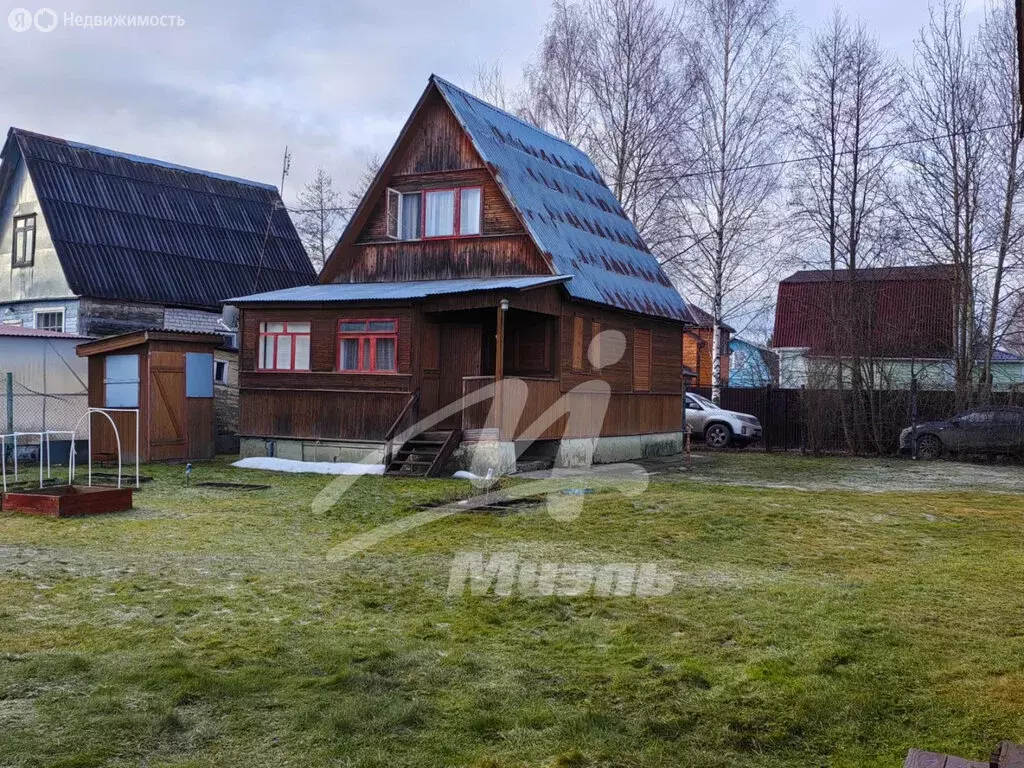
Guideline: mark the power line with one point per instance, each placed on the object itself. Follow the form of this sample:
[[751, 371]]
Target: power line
[[808, 158], [751, 166]]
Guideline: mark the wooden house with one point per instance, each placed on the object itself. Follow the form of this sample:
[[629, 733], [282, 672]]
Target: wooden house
[[485, 250], [698, 341], [169, 377]]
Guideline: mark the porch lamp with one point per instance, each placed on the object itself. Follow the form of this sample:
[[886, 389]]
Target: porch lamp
[[504, 305]]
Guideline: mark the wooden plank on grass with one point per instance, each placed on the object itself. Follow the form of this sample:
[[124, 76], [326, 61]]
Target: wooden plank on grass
[[917, 758], [1008, 755]]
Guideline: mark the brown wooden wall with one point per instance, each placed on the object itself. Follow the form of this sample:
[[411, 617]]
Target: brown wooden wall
[[171, 426], [498, 216], [697, 344], [434, 154], [666, 348]]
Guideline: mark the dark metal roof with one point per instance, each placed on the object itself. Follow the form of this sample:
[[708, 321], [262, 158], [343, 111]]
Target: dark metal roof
[[136, 229], [908, 311], [571, 214], [415, 289], [705, 319]]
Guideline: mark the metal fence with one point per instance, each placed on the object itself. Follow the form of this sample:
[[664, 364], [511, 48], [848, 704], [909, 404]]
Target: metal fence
[[812, 419], [28, 410]]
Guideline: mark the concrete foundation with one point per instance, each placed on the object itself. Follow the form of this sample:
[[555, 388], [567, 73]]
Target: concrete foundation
[[479, 457], [305, 450], [581, 452]]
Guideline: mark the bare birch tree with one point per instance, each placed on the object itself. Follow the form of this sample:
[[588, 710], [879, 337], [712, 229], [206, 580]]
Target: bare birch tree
[[638, 91], [998, 50], [847, 116], [741, 51], [318, 213], [560, 99]]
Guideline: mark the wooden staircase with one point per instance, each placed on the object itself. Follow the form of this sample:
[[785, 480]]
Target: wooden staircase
[[425, 455]]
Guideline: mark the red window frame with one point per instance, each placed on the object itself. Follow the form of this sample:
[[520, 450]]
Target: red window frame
[[275, 335], [457, 223], [367, 335]]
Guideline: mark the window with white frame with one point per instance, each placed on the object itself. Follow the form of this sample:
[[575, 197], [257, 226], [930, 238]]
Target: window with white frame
[[284, 347], [220, 371], [454, 212], [23, 249], [121, 381], [50, 320]]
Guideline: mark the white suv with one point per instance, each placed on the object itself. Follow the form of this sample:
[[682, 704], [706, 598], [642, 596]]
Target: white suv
[[719, 427]]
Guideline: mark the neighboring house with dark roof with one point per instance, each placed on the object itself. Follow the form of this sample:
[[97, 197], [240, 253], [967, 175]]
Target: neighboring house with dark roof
[[485, 249], [901, 318], [98, 242], [698, 341]]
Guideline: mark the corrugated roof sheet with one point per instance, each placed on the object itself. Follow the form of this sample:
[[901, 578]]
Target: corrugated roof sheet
[[572, 215], [36, 333], [137, 229], [908, 310], [414, 289]]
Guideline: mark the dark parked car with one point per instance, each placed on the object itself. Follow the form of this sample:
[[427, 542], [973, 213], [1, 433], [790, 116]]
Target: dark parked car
[[983, 430]]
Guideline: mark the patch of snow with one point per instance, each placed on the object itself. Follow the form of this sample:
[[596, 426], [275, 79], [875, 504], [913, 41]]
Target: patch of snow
[[272, 464], [464, 475]]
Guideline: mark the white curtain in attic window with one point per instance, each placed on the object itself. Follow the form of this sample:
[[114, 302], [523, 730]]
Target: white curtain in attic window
[[469, 211], [440, 213]]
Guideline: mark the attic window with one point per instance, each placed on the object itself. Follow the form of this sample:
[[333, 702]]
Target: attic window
[[455, 212], [23, 250]]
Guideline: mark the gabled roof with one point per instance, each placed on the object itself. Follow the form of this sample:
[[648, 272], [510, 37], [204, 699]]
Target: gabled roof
[[569, 212], [136, 229], [909, 310], [330, 293]]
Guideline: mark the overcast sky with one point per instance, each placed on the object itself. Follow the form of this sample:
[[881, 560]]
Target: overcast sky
[[239, 80]]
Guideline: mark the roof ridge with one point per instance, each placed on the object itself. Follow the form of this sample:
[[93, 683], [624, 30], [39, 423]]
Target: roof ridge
[[143, 160], [521, 121]]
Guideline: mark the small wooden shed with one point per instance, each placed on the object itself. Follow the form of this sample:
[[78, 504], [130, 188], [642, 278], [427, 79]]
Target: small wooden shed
[[169, 377]]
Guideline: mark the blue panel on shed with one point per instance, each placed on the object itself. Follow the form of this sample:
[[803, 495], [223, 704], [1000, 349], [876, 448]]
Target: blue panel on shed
[[198, 374]]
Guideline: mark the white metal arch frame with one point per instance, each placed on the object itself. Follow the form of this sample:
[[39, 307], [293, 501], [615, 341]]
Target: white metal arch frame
[[117, 436]]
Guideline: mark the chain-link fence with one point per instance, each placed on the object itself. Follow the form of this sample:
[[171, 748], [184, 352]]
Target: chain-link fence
[[25, 409]]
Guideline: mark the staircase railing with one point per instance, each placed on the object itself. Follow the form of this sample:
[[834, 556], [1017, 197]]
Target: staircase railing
[[410, 410]]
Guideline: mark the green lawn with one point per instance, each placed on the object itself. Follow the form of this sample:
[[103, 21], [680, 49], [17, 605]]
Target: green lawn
[[806, 628]]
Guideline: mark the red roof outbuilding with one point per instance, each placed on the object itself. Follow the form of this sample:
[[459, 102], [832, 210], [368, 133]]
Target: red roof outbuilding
[[903, 312]]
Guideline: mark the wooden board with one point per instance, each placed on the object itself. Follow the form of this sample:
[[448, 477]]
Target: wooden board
[[68, 501], [917, 758]]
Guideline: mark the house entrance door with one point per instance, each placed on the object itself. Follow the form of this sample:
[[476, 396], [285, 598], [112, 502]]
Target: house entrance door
[[460, 357]]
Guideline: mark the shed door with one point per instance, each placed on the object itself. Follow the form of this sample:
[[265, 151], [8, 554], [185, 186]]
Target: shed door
[[167, 406]]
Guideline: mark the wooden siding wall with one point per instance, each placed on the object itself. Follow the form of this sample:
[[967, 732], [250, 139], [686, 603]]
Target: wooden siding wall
[[437, 143], [666, 348], [697, 343], [323, 403], [437, 154], [498, 217]]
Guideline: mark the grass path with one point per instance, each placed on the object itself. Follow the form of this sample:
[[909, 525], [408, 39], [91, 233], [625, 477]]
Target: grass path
[[205, 628]]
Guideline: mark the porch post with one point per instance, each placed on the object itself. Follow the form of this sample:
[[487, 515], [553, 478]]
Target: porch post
[[499, 363]]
